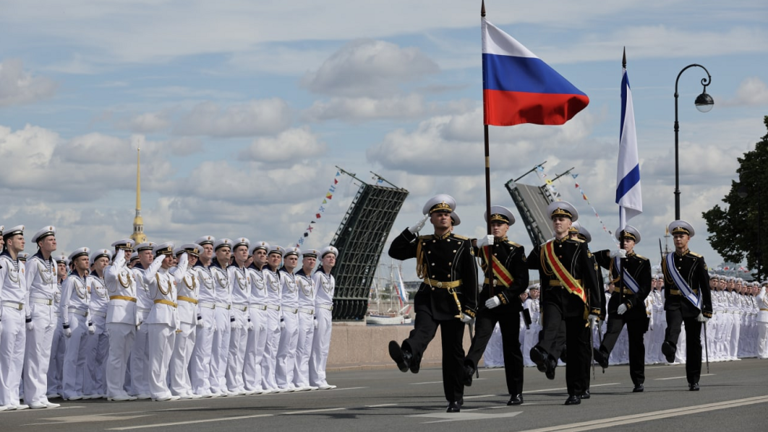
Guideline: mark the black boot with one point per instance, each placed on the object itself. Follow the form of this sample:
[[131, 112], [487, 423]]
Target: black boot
[[453, 407], [516, 400], [551, 365], [669, 351], [693, 387], [400, 356], [638, 388], [469, 373], [585, 395], [572, 400], [539, 356]]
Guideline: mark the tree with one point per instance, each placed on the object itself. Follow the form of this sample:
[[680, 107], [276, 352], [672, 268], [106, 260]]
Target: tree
[[736, 231]]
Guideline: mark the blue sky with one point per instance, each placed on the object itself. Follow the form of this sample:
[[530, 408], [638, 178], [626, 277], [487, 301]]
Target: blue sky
[[243, 108]]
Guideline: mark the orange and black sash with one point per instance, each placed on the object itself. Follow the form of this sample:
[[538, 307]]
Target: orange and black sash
[[499, 271], [565, 278]]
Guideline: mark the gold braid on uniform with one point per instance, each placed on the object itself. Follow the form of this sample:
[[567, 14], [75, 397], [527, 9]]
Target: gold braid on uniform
[[610, 273], [543, 259], [421, 267]]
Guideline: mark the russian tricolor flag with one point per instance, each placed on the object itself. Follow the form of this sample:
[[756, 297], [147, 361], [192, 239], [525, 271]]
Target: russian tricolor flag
[[520, 88]]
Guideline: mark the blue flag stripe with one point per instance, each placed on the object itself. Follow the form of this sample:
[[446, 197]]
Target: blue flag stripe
[[624, 89], [628, 182]]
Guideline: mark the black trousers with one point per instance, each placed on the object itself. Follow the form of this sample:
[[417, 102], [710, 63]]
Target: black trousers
[[578, 351], [636, 328], [509, 323], [452, 335], [692, 341]]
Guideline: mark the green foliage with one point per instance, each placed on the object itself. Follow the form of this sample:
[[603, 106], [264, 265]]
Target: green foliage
[[737, 231]]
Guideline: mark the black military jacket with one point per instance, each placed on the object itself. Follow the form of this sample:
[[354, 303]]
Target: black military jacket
[[440, 261], [639, 267], [577, 260], [694, 270], [512, 257]]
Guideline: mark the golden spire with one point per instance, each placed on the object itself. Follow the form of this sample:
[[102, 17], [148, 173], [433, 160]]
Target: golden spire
[[138, 223]]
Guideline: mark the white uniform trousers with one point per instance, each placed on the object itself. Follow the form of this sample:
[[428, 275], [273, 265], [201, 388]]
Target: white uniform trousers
[[306, 327], [733, 340], [140, 358], [161, 338], [121, 339], [181, 384], [762, 340], [12, 340], [56, 362], [220, 351], [74, 357], [37, 355], [321, 344], [286, 351], [200, 364], [254, 350], [96, 352], [269, 362], [238, 340]]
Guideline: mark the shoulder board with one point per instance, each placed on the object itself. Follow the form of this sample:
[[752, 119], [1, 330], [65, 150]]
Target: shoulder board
[[425, 237], [694, 254], [641, 257], [511, 243], [460, 237], [578, 240]]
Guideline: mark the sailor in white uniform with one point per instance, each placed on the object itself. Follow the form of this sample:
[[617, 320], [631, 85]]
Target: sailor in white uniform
[[222, 248], [56, 362], [97, 343], [307, 321], [13, 297], [257, 312], [41, 278], [289, 320], [140, 352], [272, 279], [240, 287], [75, 298], [188, 288], [325, 286], [200, 364]]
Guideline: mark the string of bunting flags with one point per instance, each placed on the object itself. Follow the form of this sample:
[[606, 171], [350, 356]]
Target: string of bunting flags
[[597, 215], [319, 213]]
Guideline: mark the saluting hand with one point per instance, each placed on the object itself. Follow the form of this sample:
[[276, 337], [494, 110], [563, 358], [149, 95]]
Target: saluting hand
[[419, 225]]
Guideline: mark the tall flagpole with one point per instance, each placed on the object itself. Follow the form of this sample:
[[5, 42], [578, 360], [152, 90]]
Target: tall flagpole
[[622, 215], [487, 161]]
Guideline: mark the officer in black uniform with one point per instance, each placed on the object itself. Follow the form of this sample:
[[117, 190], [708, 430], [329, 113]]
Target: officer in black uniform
[[500, 302], [688, 272], [447, 297], [569, 293], [627, 306]]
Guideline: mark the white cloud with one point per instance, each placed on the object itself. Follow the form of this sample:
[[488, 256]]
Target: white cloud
[[146, 122], [751, 92], [18, 86], [257, 117], [291, 146], [361, 109], [369, 68]]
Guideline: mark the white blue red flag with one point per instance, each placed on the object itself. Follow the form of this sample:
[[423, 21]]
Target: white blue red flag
[[519, 87], [628, 194]]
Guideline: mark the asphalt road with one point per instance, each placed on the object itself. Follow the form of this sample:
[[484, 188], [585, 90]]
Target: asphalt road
[[733, 397]]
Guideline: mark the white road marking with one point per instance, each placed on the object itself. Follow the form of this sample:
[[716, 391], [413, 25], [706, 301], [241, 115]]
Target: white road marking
[[678, 377], [380, 405], [88, 418], [426, 382], [463, 416], [483, 396], [313, 411], [655, 415], [566, 388], [192, 422]]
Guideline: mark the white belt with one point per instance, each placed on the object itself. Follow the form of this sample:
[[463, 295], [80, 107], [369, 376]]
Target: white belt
[[42, 301], [291, 310], [326, 307], [141, 309], [307, 311], [258, 306], [13, 305], [241, 307], [207, 305], [223, 306], [101, 314], [78, 311], [273, 307]]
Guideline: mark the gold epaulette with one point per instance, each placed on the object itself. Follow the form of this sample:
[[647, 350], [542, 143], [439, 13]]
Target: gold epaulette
[[694, 254], [425, 237], [514, 244], [460, 237], [641, 257], [577, 240]]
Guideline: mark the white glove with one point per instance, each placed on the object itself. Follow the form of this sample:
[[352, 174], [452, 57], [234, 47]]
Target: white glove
[[277, 329], [466, 319], [233, 323], [207, 325], [91, 329], [701, 318], [30, 326], [592, 320], [250, 325], [200, 322], [622, 308], [68, 332], [282, 323], [485, 241], [621, 253], [315, 323], [419, 225], [492, 302]]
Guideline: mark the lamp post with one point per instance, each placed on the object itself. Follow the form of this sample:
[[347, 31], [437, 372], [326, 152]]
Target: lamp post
[[704, 103], [759, 254]]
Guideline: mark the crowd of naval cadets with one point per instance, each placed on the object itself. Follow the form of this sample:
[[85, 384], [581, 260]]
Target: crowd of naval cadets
[[650, 318], [213, 318], [221, 317]]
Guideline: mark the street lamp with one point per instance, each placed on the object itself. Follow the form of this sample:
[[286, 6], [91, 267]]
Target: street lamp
[[759, 254], [704, 103]]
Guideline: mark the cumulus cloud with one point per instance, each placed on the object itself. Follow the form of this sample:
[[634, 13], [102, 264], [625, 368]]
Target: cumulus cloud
[[290, 146], [257, 117], [751, 92], [369, 68], [18, 86], [361, 109]]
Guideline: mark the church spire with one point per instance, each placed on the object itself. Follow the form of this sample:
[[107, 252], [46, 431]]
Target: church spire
[[138, 223]]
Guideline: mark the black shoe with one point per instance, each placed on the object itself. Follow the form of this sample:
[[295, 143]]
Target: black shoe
[[469, 372], [585, 395], [669, 351], [551, 364], [573, 400], [453, 407], [415, 364], [402, 358], [600, 357], [539, 356], [516, 400], [693, 387], [638, 388]]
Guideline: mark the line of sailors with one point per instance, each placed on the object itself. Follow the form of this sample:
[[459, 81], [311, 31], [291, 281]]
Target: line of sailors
[[736, 331], [213, 318]]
